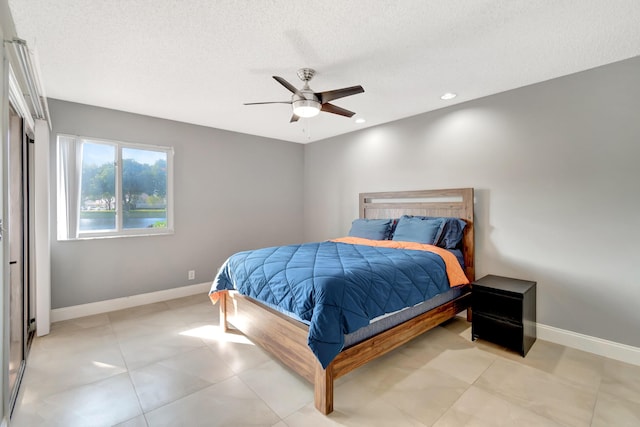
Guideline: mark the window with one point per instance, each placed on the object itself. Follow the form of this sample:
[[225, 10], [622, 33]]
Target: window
[[111, 188]]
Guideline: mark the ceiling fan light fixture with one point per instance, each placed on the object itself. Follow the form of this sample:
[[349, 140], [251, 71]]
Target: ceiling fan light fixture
[[306, 108]]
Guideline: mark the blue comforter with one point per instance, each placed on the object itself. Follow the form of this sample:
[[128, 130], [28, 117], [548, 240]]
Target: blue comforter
[[336, 287]]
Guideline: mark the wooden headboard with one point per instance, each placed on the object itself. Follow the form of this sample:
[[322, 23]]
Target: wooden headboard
[[457, 203]]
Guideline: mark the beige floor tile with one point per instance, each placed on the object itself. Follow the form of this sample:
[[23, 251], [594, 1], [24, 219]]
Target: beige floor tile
[[543, 355], [379, 377], [423, 394], [577, 366], [284, 391], [199, 314], [309, 416], [426, 394], [103, 403], [417, 353], [373, 413], [228, 403], [477, 407], [353, 374], [614, 411], [166, 322], [465, 364], [72, 341], [201, 363], [26, 414], [157, 385], [440, 338], [547, 395], [237, 351], [145, 350], [198, 299], [622, 380], [581, 368], [43, 414], [80, 323], [139, 421], [137, 312], [352, 394], [51, 373]]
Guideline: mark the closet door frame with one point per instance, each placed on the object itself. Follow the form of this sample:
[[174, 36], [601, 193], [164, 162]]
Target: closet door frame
[[17, 270], [16, 246]]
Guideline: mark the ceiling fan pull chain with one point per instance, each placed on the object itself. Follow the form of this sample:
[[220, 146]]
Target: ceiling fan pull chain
[[306, 129]]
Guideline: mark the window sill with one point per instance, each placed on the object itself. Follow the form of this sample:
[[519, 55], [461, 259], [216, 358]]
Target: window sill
[[118, 236]]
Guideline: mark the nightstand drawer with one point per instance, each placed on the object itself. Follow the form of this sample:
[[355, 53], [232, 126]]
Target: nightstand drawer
[[498, 331], [497, 304]]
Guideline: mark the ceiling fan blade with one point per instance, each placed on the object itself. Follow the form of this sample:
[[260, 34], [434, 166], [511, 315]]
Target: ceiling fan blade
[[288, 85], [330, 95], [330, 108], [294, 118], [270, 102]]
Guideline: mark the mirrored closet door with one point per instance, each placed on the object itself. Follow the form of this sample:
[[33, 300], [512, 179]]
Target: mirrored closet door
[[16, 233]]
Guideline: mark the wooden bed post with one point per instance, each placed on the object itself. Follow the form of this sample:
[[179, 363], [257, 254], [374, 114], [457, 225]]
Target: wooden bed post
[[224, 326], [323, 389]]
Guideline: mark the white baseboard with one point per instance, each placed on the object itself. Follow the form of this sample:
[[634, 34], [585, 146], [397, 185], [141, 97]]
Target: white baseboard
[[73, 312], [610, 349]]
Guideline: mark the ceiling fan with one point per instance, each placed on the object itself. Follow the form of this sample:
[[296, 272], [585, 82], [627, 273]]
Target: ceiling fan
[[307, 103]]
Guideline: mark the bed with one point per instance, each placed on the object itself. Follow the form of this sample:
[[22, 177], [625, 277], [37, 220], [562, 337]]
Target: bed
[[288, 338]]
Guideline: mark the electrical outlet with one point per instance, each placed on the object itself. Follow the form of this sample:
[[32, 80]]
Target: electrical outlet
[[192, 274]]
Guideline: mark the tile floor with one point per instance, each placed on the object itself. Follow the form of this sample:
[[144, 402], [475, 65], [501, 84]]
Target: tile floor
[[164, 364]]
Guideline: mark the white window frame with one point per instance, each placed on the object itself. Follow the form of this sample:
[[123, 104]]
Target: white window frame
[[68, 222]]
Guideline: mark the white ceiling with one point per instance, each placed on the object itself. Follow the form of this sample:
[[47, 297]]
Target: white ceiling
[[198, 61]]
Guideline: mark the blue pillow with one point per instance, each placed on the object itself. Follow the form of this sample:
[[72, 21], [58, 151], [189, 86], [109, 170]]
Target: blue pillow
[[372, 229], [414, 229], [452, 232]]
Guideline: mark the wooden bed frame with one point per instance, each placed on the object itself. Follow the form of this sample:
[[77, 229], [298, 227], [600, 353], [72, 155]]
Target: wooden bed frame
[[286, 338]]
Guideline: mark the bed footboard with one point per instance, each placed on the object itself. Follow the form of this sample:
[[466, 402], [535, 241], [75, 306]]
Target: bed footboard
[[286, 339]]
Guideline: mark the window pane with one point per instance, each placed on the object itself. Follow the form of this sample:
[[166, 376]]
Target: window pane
[[144, 188], [98, 197]]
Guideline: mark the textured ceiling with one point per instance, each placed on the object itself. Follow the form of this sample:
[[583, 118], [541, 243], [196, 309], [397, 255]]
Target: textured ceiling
[[198, 61]]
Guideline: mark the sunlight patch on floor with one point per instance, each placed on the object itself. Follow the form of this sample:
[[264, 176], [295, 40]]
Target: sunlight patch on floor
[[103, 365], [213, 332]]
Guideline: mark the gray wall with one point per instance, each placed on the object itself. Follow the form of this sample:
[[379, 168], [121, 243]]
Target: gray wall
[[232, 192], [556, 173]]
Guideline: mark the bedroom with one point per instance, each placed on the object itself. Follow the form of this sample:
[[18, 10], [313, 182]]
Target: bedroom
[[553, 165]]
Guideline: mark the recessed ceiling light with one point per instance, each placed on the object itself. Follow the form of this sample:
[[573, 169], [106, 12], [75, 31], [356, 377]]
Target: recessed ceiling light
[[360, 120], [448, 95]]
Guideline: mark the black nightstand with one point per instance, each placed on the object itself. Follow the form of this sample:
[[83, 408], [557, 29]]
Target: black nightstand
[[504, 312]]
